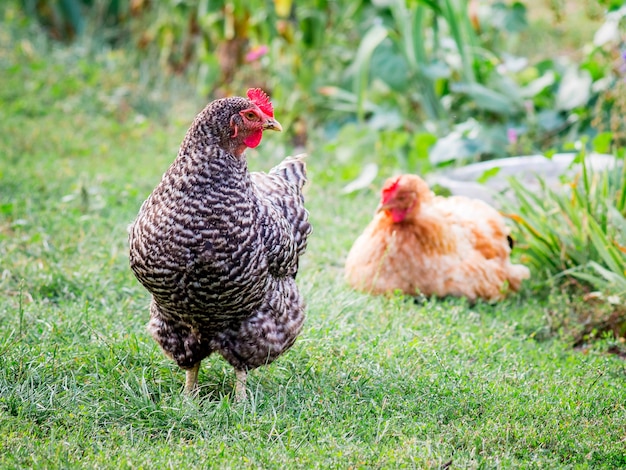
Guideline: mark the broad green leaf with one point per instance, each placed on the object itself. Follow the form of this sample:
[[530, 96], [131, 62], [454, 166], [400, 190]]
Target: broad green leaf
[[389, 65], [608, 32], [370, 42], [602, 142], [453, 147], [488, 174], [436, 70], [574, 89], [511, 19], [422, 143], [550, 120], [487, 99], [367, 176], [538, 85]]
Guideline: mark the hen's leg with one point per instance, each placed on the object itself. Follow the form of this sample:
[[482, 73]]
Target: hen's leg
[[240, 386], [191, 379]]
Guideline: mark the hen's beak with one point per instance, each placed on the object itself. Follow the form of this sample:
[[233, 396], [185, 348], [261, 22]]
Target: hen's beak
[[382, 207], [272, 124]]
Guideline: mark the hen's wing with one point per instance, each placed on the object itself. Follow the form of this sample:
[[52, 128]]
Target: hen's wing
[[286, 221], [486, 258], [482, 224]]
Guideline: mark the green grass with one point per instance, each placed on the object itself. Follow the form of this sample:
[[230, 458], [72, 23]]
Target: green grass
[[371, 382]]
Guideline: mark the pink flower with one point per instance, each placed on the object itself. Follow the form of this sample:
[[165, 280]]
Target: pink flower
[[256, 53], [511, 135]]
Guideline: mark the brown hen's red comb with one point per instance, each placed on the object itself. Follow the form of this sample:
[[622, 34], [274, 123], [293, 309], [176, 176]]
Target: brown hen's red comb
[[390, 189], [258, 97]]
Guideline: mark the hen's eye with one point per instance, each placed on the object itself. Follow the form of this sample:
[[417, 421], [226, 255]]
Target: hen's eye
[[250, 115]]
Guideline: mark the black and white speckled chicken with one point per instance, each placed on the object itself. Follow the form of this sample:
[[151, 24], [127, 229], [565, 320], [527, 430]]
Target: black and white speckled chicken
[[218, 246]]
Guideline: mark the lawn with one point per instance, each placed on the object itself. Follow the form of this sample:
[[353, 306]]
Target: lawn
[[370, 383]]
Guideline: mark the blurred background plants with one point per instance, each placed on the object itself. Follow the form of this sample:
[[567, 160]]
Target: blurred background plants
[[464, 74]]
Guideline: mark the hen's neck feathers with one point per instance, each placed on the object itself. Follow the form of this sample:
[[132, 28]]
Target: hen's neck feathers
[[430, 232], [204, 167], [212, 129]]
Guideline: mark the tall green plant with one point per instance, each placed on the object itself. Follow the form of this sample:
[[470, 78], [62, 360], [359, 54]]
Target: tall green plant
[[370, 42], [410, 20], [409, 29], [579, 230]]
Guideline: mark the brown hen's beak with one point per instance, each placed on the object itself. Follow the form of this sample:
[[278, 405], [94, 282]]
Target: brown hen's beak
[[272, 125], [382, 207]]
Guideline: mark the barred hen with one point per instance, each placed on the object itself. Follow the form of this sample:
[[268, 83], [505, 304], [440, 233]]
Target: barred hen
[[422, 243], [218, 246]]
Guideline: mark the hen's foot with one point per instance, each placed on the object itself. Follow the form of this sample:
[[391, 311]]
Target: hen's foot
[[240, 385], [191, 380]]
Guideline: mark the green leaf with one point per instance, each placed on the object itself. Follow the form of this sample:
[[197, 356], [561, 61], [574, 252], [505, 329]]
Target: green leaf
[[602, 142], [422, 143], [539, 84], [574, 89], [511, 19], [488, 174], [389, 65], [487, 99], [367, 176], [6, 208], [618, 221], [608, 253], [597, 281], [608, 278], [370, 42]]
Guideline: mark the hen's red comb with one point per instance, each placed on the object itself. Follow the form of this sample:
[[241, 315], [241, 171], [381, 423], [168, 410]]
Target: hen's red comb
[[390, 189], [258, 97]]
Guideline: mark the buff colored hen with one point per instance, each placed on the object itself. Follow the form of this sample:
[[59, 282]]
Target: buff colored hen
[[422, 243]]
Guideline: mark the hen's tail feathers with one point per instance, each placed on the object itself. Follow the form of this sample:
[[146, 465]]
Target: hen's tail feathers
[[293, 170], [282, 187], [517, 273]]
